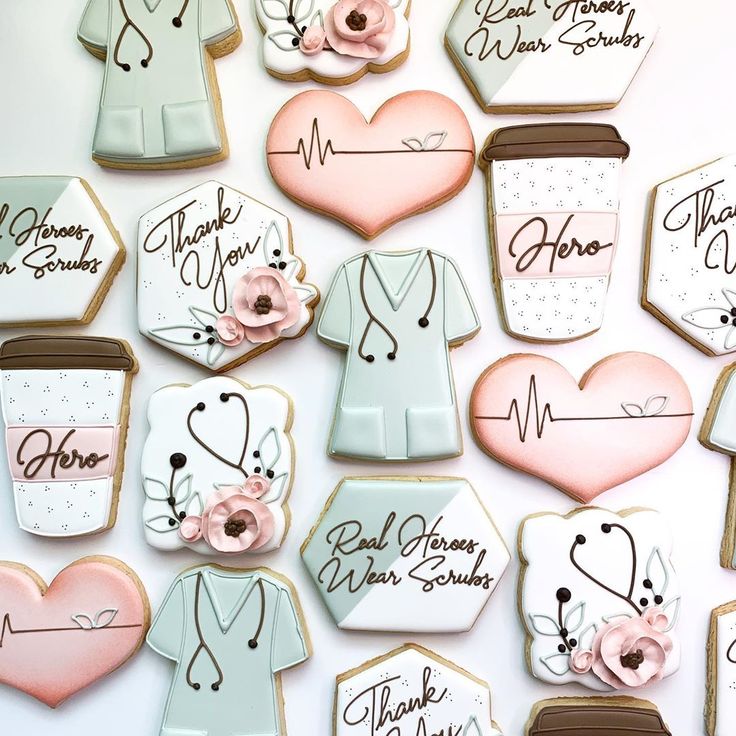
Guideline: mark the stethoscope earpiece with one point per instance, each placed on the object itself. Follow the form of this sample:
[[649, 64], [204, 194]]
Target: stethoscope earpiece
[[253, 644], [391, 356], [423, 322], [176, 22]]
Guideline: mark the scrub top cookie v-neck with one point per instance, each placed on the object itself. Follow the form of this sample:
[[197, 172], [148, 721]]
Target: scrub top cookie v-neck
[[397, 315]]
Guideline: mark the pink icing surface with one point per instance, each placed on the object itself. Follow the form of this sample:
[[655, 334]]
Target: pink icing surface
[[556, 244], [53, 665], [52, 453], [582, 457], [385, 181]]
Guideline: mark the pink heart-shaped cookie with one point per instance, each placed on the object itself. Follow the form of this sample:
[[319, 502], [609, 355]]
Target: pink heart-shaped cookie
[[55, 641], [630, 413], [416, 153]]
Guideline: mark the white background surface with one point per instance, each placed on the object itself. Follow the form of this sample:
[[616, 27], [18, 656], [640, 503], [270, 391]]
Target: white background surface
[[678, 114]]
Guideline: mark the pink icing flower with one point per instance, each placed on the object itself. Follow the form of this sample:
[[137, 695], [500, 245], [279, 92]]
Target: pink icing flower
[[360, 28], [265, 304], [256, 485], [190, 529], [634, 652], [313, 41], [581, 661], [234, 521], [229, 330]]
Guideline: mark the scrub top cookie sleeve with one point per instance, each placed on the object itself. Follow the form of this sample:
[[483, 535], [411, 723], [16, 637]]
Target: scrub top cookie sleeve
[[461, 319], [335, 323]]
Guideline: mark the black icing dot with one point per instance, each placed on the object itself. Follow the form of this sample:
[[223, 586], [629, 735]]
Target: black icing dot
[[564, 631], [573, 642], [643, 601], [197, 335], [144, 63], [580, 539], [209, 328], [270, 473], [295, 42], [391, 356], [423, 322], [253, 644], [256, 453], [200, 406], [370, 358], [290, 19], [564, 595], [126, 67], [172, 522], [648, 584], [282, 265], [224, 397], [196, 686], [210, 340], [724, 319], [182, 515], [561, 648], [277, 252], [176, 22], [257, 469], [215, 686], [606, 528], [658, 600], [178, 460]]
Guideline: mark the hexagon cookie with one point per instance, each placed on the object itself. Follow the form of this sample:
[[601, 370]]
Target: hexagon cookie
[[524, 56], [55, 239], [412, 554], [689, 281], [412, 690], [218, 282]]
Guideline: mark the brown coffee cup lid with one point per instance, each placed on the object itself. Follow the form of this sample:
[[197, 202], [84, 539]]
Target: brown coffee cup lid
[[42, 351], [613, 719], [550, 140]]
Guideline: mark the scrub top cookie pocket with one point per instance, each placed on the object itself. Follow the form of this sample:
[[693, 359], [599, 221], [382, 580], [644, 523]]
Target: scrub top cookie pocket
[[389, 312], [160, 105]]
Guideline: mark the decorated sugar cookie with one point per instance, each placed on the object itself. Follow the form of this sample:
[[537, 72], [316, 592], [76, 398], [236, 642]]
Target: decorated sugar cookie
[[217, 467], [720, 707], [553, 194], [332, 41], [55, 238], [66, 403], [415, 154], [599, 598], [405, 554], [160, 105], [223, 627], [376, 698], [218, 282], [629, 413], [718, 433], [59, 638], [582, 716], [525, 56], [387, 310], [688, 268]]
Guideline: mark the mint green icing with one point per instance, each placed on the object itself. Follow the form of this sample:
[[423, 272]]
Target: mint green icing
[[369, 502], [16, 194], [156, 103]]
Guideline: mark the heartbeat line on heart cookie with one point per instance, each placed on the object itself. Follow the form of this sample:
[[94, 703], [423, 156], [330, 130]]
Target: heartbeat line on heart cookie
[[540, 415], [102, 620], [320, 150]]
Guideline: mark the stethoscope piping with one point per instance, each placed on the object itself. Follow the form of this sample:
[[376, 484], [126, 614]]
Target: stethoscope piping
[[176, 21], [423, 321], [203, 646]]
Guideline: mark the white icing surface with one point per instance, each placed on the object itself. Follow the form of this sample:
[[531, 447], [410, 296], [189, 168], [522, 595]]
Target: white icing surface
[[546, 545], [222, 427], [726, 674], [168, 273], [67, 397], [457, 703], [73, 267], [551, 53], [722, 432], [691, 257], [283, 59], [554, 308], [556, 184]]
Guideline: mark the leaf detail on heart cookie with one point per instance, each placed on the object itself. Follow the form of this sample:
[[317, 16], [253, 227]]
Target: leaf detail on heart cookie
[[652, 407], [431, 142], [100, 620]]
